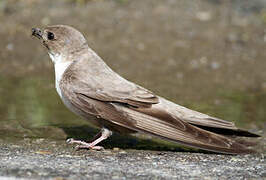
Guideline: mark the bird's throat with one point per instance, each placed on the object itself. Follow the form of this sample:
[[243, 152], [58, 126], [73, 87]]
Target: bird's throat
[[60, 66]]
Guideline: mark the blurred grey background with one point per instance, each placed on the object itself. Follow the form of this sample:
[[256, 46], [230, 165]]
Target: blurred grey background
[[207, 55]]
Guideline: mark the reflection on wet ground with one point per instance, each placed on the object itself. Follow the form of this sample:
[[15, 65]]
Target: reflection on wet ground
[[207, 56]]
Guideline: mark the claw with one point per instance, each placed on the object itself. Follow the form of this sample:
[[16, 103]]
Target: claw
[[97, 148]]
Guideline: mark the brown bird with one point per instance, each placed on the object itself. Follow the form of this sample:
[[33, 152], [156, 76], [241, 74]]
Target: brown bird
[[92, 90]]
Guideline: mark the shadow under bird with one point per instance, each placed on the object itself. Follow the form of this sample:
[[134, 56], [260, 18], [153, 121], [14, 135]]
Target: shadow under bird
[[92, 90]]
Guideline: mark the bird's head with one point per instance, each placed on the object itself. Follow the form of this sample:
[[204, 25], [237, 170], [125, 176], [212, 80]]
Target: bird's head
[[61, 40]]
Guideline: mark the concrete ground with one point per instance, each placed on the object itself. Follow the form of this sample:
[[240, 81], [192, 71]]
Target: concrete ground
[[43, 159]]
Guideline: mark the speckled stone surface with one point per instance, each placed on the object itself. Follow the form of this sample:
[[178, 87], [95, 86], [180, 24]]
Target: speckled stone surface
[[54, 160]]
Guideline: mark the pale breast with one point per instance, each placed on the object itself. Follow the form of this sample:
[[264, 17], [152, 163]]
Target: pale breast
[[60, 66]]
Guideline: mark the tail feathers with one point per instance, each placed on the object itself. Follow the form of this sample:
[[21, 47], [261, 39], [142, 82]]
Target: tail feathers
[[245, 142], [230, 132], [184, 133], [195, 137], [201, 120]]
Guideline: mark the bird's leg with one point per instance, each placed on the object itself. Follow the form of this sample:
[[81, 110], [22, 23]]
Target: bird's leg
[[102, 135]]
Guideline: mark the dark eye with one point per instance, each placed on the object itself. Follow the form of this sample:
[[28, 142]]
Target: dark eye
[[50, 35]]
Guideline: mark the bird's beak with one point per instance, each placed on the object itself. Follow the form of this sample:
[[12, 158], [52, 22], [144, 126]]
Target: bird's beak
[[36, 32]]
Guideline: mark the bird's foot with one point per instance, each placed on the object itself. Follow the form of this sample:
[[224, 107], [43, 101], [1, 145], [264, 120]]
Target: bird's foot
[[83, 145], [104, 134]]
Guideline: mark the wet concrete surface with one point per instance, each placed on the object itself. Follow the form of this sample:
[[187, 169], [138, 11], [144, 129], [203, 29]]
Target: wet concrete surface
[[43, 159]]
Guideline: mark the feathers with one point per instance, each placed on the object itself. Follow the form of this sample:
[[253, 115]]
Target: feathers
[[100, 92]]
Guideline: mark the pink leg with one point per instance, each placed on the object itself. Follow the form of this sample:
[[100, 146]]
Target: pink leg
[[105, 133]]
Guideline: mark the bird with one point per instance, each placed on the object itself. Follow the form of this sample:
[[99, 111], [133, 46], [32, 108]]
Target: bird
[[91, 89]]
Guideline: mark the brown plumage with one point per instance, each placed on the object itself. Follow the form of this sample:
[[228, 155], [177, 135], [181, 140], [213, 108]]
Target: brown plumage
[[91, 89]]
